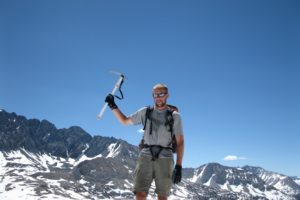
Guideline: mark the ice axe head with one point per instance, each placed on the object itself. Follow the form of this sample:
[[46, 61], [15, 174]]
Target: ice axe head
[[119, 74]]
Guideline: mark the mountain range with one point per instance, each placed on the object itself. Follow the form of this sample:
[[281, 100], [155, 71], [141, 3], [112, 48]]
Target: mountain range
[[39, 161]]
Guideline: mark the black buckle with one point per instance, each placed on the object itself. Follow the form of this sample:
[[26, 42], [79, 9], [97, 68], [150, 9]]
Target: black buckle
[[155, 151]]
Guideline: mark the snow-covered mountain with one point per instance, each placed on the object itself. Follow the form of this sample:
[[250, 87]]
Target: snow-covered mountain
[[39, 161], [250, 181]]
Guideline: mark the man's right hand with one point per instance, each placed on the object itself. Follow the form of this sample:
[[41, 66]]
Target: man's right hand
[[110, 101]]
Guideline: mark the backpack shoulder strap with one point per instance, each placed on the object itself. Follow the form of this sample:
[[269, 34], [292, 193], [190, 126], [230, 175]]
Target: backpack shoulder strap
[[170, 123], [172, 108], [147, 115], [170, 119]]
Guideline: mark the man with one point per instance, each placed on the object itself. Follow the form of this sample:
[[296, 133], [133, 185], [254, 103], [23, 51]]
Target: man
[[155, 160]]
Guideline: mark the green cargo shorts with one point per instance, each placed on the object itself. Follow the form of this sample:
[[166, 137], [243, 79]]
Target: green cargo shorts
[[160, 170]]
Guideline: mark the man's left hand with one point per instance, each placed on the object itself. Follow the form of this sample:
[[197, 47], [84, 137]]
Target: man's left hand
[[177, 173]]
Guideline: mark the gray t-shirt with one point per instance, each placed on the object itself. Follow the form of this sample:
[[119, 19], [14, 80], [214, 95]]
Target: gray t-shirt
[[160, 132]]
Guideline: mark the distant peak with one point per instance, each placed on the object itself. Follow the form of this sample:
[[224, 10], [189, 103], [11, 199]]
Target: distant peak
[[214, 164]]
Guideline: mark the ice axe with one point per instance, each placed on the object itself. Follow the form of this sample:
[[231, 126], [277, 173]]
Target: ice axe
[[117, 86]]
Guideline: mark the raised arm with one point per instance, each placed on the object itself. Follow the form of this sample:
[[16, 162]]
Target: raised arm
[[117, 112], [121, 117]]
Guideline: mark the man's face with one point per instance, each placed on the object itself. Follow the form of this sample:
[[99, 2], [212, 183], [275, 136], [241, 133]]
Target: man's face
[[160, 97]]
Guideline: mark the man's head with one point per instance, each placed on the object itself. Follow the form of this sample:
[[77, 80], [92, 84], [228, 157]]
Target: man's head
[[160, 95]]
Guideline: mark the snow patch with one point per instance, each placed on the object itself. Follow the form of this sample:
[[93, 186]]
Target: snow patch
[[84, 158], [110, 183], [180, 192], [87, 146], [196, 177], [297, 181], [237, 188], [211, 182], [2, 163], [226, 186], [82, 181], [127, 184], [114, 150]]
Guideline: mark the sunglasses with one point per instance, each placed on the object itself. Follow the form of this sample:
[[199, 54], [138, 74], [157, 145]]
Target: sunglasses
[[156, 95]]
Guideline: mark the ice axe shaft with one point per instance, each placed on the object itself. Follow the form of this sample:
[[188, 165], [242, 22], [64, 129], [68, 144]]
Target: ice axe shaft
[[100, 115]]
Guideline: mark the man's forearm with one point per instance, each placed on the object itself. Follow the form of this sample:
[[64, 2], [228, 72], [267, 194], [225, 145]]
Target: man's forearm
[[180, 150], [121, 117]]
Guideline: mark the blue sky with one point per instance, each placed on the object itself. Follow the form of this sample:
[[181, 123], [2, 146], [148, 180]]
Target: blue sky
[[232, 68]]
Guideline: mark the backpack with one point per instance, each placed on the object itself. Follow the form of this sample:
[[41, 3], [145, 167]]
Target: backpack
[[169, 123]]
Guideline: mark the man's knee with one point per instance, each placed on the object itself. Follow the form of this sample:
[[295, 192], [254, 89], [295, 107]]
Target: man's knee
[[140, 195], [162, 197]]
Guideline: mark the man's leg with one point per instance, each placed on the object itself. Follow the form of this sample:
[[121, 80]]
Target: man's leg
[[141, 196], [143, 177], [161, 198], [163, 177]]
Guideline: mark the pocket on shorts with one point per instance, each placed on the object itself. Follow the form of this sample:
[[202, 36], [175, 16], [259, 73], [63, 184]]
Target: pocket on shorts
[[171, 169], [166, 167], [137, 169]]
